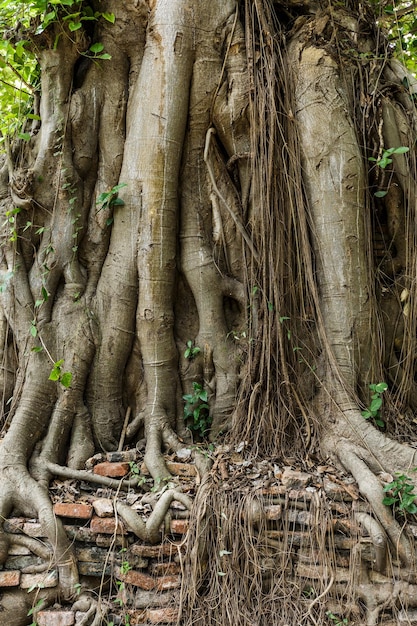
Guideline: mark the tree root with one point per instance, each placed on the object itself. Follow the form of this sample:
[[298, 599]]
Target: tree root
[[372, 490], [150, 530]]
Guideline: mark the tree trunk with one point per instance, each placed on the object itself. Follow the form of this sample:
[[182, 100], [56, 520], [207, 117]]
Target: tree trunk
[[224, 209]]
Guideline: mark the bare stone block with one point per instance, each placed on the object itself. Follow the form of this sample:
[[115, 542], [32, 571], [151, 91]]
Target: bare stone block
[[163, 616], [47, 579], [55, 618], [103, 507]]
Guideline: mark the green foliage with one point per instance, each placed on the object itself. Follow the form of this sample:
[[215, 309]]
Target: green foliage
[[37, 607], [191, 351], [373, 411], [402, 496], [385, 158], [196, 410], [65, 378], [10, 222], [337, 621], [110, 199], [18, 64]]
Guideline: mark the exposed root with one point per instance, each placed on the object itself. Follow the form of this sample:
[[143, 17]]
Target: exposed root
[[150, 530], [372, 490]]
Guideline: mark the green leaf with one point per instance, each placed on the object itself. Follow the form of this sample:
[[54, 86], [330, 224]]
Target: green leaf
[[380, 194], [400, 150], [375, 404], [380, 387], [117, 202], [366, 414], [97, 47], [55, 374], [66, 379], [37, 349], [33, 330], [388, 501], [106, 56], [24, 136], [73, 26], [110, 17]]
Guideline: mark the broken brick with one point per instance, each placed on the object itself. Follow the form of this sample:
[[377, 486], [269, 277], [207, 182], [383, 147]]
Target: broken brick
[[78, 510], [9, 578], [179, 526], [103, 507], [133, 577], [163, 616], [48, 579], [55, 618], [112, 470], [167, 582], [107, 525]]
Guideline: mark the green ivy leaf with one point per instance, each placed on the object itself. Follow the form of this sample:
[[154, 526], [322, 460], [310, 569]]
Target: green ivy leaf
[[55, 374], [73, 26], [97, 47], [110, 17], [66, 379]]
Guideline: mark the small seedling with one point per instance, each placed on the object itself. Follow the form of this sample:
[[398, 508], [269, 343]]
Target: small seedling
[[191, 351], [402, 494], [373, 411], [196, 410], [109, 199], [337, 621], [385, 158], [57, 374]]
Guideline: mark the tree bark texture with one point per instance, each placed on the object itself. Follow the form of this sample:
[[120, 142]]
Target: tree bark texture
[[233, 141]]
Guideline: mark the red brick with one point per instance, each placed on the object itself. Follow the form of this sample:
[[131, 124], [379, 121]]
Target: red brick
[[166, 549], [79, 510], [179, 526], [113, 470], [9, 578], [133, 577], [168, 582], [165, 569], [162, 616], [107, 525], [55, 618]]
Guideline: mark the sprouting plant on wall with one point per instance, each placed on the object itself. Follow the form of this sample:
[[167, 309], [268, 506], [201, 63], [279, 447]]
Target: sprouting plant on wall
[[196, 410]]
